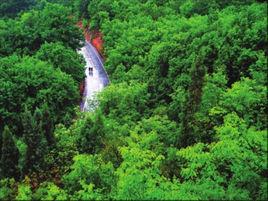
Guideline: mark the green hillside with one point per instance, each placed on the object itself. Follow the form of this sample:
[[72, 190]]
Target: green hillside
[[183, 118]]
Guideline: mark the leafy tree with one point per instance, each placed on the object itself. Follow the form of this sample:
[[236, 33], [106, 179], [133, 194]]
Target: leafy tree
[[64, 58], [7, 187], [221, 166], [32, 83], [124, 102], [26, 34], [166, 130], [98, 173], [49, 191], [247, 99], [139, 178], [24, 192], [191, 7], [88, 193]]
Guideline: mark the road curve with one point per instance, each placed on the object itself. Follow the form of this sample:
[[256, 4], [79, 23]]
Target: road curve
[[94, 82]]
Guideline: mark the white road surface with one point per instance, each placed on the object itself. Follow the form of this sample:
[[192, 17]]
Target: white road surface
[[95, 81]]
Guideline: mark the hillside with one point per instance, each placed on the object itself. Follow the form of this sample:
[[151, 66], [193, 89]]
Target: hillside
[[184, 116]]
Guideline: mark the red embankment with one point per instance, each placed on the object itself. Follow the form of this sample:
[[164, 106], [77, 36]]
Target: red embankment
[[85, 31], [94, 36], [97, 42]]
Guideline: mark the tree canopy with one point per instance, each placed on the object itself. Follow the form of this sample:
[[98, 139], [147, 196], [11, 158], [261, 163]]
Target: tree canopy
[[184, 117]]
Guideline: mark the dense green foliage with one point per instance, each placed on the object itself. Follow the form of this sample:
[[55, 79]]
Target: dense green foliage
[[184, 118], [64, 58], [26, 34], [28, 82], [11, 8]]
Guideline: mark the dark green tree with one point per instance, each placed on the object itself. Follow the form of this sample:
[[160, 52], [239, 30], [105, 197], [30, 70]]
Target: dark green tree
[[9, 156], [188, 135], [80, 7], [11, 8], [47, 123], [35, 140], [91, 135]]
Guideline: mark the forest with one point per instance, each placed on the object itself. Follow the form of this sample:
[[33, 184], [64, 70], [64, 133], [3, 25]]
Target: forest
[[183, 118]]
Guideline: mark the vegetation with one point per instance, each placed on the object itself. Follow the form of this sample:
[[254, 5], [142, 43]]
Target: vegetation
[[12, 7], [184, 118]]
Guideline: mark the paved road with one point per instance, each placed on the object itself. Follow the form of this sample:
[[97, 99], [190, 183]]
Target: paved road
[[95, 81]]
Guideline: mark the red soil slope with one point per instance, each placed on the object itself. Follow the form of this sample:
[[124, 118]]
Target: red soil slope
[[97, 42], [85, 31], [94, 36]]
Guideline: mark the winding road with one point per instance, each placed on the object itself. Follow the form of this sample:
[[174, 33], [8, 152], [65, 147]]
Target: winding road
[[96, 76]]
